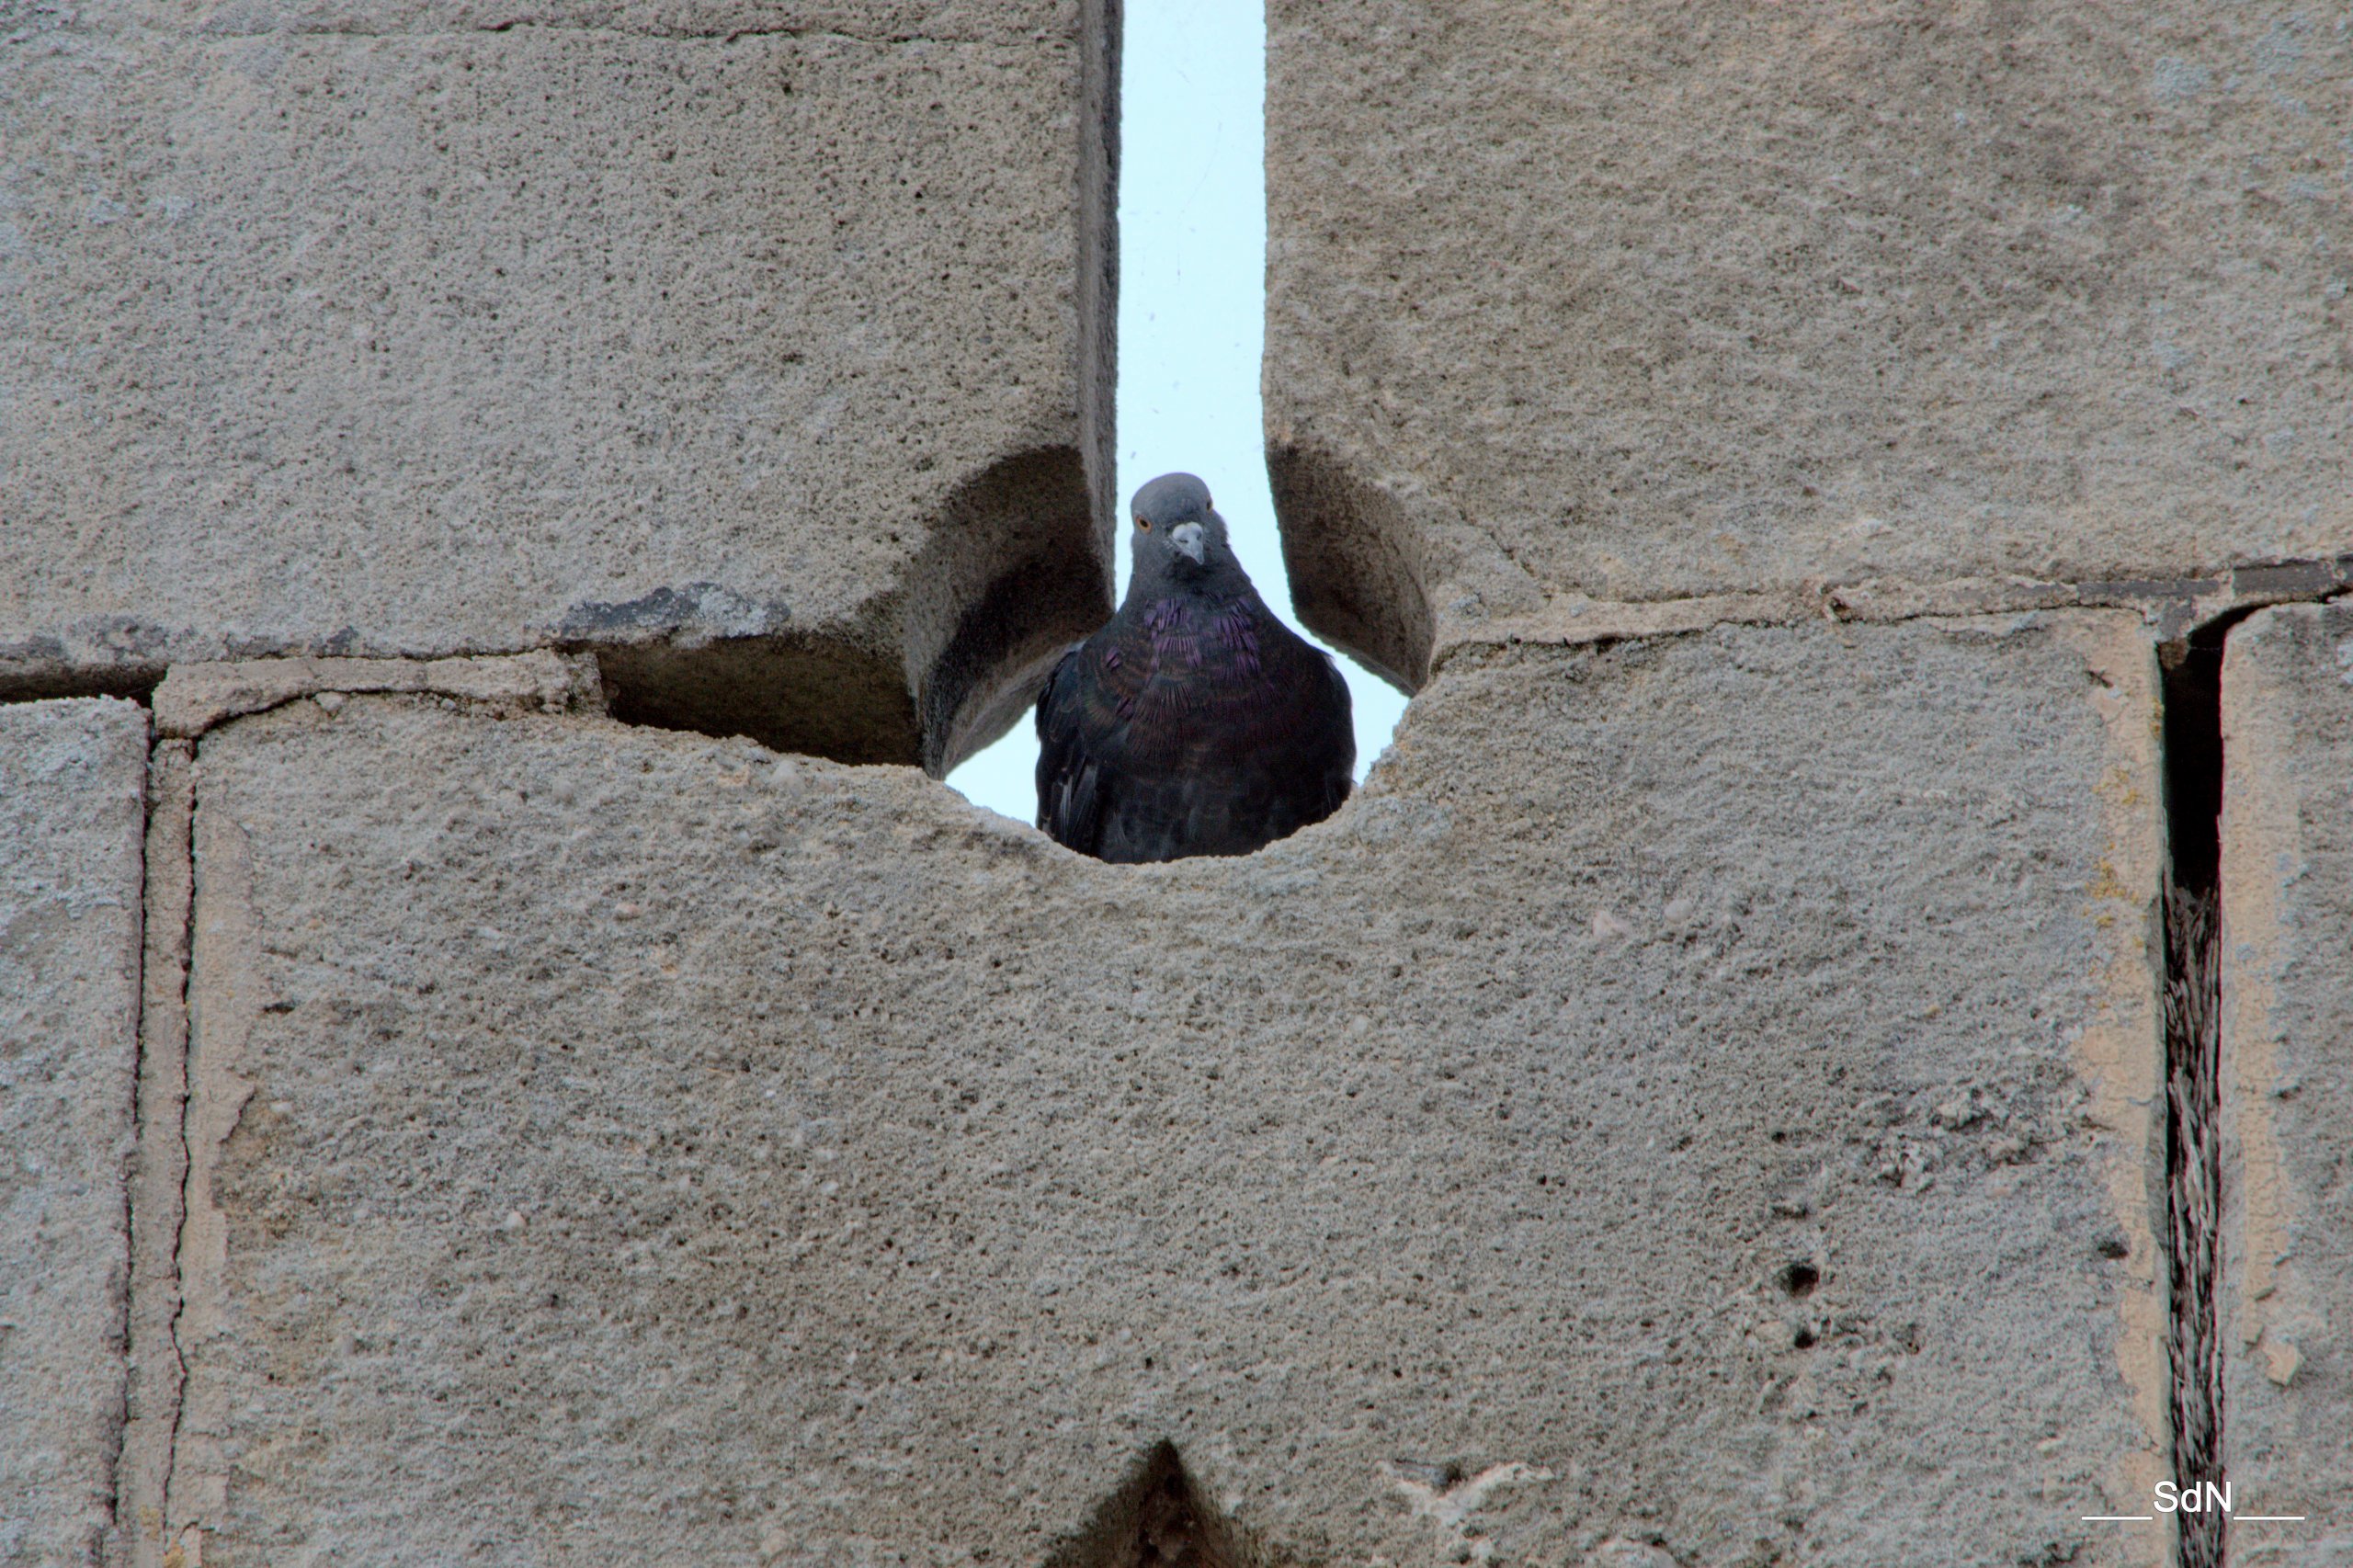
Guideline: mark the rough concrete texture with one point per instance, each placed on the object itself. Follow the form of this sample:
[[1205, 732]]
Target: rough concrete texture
[[1678, 297], [1711, 1129], [2286, 1089], [195, 698], [72, 811], [771, 357]]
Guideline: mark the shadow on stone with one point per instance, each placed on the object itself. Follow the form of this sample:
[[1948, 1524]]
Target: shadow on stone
[[1013, 568], [1355, 573], [1009, 630], [1157, 1519], [819, 698], [2192, 684]]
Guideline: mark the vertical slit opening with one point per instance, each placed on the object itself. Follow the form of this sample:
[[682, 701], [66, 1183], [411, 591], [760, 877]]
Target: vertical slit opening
[[2192, 681], [1188, 165]]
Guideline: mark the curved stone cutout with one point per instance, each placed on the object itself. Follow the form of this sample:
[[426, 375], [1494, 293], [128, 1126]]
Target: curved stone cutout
[[1014, 568], [1357, 576]]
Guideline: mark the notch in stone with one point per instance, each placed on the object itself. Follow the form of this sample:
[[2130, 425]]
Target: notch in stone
[[1157, 1518], [1356, 564], [2191, 676], [1016, 567]]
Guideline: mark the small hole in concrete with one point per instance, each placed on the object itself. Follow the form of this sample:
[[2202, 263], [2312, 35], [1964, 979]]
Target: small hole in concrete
[[1803, 1339], [1800, 1279]]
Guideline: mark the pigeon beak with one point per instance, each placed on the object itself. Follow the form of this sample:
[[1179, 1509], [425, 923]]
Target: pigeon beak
[[1187, 540]]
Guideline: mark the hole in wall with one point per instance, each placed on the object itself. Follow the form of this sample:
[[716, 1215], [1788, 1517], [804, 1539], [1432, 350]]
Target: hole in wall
[[1799, 1279], [1192, 315]]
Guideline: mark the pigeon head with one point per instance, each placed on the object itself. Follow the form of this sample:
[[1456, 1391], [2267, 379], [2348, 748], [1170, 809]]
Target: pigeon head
[[1178, 534]]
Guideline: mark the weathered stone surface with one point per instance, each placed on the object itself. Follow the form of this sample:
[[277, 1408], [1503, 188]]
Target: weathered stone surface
[[195, 698], [1710, 1122], [1675, 298], [2286, 1089], [772, 360], [72, 812]]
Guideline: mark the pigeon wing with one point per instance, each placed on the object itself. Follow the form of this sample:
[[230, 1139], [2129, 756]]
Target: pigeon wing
[[1081, 719]]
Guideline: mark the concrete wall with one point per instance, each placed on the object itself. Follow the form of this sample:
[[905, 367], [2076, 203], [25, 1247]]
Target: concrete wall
[[808, 1167], [72, 798], [758, 345], [1679, 299], [2287, 1090], [1698, 1105]]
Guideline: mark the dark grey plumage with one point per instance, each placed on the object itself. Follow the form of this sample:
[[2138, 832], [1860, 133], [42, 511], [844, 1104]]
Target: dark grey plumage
[[1194, 722]]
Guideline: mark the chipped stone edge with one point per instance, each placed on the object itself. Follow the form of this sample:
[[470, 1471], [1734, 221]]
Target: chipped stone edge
[[195, 698]]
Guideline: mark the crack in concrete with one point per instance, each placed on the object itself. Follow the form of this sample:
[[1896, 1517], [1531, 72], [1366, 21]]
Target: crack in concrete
[[114, 1461], [2172, 607], [156, 1365], [528, 24], [187, 1170]]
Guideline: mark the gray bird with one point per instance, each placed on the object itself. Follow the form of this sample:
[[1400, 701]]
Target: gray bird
[[1194, 722]]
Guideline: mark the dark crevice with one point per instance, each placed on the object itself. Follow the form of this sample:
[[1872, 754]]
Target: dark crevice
[[41, 679], [1157, 1519], [119, 1417], [2191, 676], [813, 696]]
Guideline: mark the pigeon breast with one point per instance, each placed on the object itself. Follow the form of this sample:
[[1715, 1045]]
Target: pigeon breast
[[1194, 722]]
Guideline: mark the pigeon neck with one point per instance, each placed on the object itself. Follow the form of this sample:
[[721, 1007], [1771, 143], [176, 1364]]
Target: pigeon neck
[[1154, 580]]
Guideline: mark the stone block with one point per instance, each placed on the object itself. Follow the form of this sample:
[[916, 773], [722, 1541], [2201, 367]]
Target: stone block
[[1671, 298], [765, 353], [72, 814], [2286, 1081], [1691, 1105]]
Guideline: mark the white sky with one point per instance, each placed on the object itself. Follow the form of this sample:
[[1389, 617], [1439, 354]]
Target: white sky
[[1192, 317]]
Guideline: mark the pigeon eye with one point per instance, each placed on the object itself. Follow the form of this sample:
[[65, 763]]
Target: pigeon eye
[[1144, 524]]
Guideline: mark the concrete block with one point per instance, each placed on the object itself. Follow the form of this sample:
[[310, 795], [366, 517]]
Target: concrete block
[[773, 363], [72, 812], [2286, 1081], [1671, 298], [1692, 1105]]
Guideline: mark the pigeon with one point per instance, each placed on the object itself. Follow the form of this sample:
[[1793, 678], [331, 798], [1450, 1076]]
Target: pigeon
[[1194, 722]]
